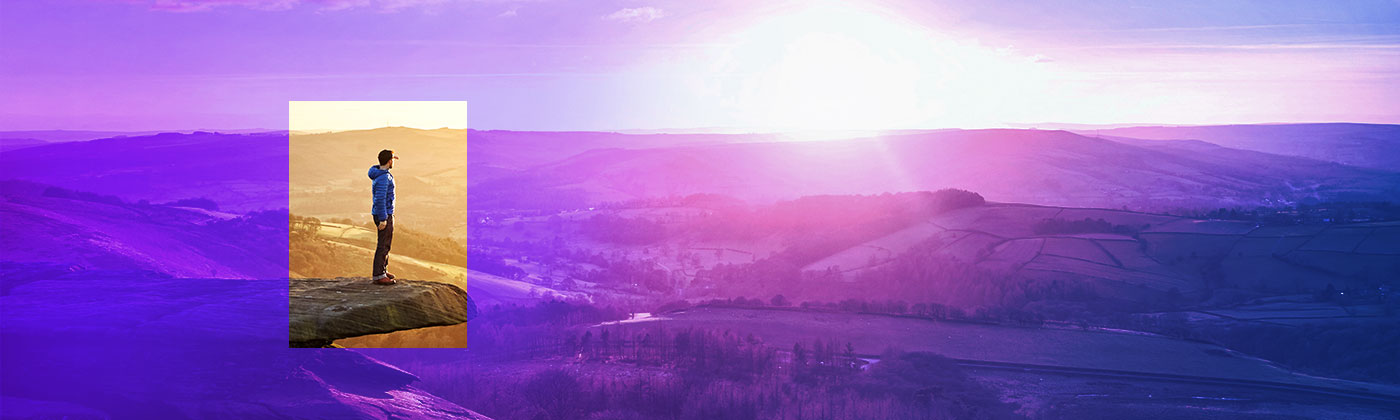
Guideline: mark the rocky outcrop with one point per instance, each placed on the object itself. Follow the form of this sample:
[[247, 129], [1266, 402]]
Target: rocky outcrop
[[325, 310]]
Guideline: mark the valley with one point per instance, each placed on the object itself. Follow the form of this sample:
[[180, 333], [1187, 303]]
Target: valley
[[1056, 273]]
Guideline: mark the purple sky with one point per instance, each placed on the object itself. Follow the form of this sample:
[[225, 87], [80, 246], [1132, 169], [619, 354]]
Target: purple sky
[[559, 65]]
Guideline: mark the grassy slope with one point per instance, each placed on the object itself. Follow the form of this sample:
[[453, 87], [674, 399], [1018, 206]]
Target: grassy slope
[[1169, 254], [872, 334], [93, 235], [486, 289]]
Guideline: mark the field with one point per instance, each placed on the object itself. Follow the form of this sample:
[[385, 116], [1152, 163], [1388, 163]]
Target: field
[[1069, 397], [1169, 253], [1298, 310], [485, 289], [879, 250], [1038, 395], [1124, 255], [93, 233], [871, 334]]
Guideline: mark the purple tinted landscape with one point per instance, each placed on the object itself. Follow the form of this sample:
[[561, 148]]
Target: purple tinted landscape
[[720, 210]]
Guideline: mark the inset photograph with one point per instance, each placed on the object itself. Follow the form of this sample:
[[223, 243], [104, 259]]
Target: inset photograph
[[378, 240]]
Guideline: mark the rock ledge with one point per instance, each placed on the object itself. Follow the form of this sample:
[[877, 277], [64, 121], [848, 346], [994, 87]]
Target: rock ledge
[[325, 310]]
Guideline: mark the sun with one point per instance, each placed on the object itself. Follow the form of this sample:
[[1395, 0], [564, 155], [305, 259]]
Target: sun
[[836, 66]]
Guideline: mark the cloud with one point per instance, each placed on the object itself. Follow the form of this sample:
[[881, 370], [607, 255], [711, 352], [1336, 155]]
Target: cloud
[[636, 14], [277, 5], [203, 5], [511, 12], [395, 5]]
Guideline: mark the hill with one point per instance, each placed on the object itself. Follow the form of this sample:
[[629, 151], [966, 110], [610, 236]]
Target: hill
[[239, 172], [344, 250], [8, 144], [1363, 145], [327, 179], [498, 152], [183, 348], [936, 247], [1124, 254], [60, 136], [90, 232], [327, 175], [575, 169], [1028, 166], [871, 334]]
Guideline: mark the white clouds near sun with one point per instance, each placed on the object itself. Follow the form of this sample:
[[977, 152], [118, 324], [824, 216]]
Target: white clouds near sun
[[838, 66], [636, 14]]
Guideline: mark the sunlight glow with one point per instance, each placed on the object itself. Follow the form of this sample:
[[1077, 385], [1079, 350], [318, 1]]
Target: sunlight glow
[[837, 66]]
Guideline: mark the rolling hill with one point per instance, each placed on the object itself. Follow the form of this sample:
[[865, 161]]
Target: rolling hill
[[1124, 256], [75, 232], [1363, 145], [108, 343], [60, 136], [240, 172], [1168, 253], [486, 289], [8, 144], [499, 152], [85, 232], [327, 169], [572, 169], [1027, 166]]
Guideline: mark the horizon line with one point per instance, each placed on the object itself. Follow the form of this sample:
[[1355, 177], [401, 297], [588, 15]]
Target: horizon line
[[1064, 126]]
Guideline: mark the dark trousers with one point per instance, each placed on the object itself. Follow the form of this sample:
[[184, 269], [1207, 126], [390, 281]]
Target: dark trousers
[[381, 249]]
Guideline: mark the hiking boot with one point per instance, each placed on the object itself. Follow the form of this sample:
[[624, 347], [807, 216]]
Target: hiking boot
[[389, 275], [385, 281]]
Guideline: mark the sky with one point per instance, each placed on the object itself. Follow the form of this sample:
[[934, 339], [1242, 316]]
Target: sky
[[731, 64], [324, 116]]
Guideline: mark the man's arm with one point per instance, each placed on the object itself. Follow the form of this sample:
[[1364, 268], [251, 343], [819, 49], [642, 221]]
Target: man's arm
[[380, 206], [389, 194]]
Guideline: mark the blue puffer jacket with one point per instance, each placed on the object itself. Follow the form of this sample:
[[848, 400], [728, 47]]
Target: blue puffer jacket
[[383, 188]]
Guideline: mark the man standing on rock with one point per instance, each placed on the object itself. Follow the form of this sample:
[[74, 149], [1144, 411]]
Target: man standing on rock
[[382, 187]]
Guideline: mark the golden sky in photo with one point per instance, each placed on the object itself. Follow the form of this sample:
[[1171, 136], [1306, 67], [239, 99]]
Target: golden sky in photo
[[321, 116]]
